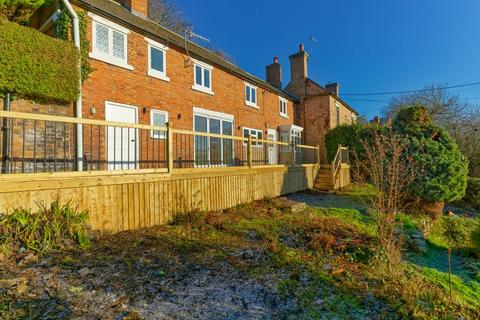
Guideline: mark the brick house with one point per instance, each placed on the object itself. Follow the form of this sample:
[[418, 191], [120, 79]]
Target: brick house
[[146, 74], [319, 109]]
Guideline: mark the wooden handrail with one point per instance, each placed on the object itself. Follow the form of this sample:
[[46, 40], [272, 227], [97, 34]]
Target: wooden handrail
[[44, 117], [337, 161], [85, 121]]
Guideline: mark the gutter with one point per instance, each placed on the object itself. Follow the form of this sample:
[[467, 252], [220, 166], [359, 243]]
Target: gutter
[[78, 103]]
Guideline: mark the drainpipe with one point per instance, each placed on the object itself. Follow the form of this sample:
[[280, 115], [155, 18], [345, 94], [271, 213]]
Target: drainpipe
[[78, 103]]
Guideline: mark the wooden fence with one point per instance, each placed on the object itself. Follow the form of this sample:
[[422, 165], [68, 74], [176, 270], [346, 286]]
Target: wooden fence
[[127, 201], [139, 197]]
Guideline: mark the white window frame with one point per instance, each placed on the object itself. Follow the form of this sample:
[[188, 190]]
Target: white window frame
[[250, 103], [254, 143], [288, 132], [109, 57], [154, 134], [202, 87], [209, 114], [337, 115], [280, 102], [162, 75]]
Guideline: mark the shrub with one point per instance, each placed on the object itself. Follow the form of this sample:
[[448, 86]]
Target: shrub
[[19, 10], [441, 169], [345, 135], [472, 194], [45, 229], [36, 66]]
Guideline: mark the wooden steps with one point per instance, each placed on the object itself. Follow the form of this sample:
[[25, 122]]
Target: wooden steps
[[324, 179]]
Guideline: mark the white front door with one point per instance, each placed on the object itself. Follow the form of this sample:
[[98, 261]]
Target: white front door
[[272, 148], [122, 143]]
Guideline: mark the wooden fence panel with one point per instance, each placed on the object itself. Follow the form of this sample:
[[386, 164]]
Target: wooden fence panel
[[127, 202]]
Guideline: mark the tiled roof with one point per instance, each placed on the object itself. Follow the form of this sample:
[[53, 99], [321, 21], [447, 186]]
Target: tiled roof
[[117, 13]]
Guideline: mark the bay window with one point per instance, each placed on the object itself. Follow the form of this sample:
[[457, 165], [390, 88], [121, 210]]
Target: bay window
[[213, 151]]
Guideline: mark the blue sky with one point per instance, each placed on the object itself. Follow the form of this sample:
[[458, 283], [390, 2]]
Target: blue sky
[[367, 46]]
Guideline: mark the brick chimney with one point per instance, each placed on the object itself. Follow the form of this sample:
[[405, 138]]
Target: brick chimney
[[274, 73], [332, 88], [299, 65], [135, 6]]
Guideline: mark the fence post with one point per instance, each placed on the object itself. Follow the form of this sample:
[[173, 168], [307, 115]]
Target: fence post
[[170, 147], [6, 137], [292, 147], [249, 151], [318, 155]]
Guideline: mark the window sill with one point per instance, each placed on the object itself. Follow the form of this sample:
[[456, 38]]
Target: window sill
[[284, 115], [157, 75], [251, 104], [110, 60], [203, 89]]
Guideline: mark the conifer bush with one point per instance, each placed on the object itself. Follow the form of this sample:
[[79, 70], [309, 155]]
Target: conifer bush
[[440, 168]]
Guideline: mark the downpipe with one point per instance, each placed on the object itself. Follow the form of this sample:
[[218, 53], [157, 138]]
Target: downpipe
[[78, 102]]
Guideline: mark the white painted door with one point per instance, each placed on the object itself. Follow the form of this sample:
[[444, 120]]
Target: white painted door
[[272, 148], [122, 143]]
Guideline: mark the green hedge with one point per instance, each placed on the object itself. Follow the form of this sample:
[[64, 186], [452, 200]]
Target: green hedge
[[36, 66]]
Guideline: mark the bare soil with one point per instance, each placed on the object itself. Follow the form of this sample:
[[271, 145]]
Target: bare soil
[[183, 271]]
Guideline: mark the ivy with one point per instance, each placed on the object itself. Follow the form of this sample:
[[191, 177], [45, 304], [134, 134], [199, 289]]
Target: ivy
[[62, 30]]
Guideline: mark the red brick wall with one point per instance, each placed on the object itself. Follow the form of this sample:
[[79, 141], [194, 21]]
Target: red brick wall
[[112, 83], [39, 145], [116, 84]]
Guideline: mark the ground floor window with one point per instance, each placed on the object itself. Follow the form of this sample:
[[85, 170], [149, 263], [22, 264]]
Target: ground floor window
[[158, 118], [254, 133], [213, 151]]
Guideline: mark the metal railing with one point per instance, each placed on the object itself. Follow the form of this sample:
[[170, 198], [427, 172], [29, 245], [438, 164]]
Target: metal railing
[[45, 143]]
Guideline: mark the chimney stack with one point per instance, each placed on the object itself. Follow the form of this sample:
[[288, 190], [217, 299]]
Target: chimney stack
[[274, 73], [139, 7], [332, 88], [299, 65]]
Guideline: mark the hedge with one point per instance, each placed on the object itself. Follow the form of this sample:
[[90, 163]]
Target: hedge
[[36, 66]]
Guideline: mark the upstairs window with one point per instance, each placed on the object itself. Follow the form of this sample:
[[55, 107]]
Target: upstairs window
[[283, 107], [202, 77], [338, 113], [157, 60], [254, 133], [109, 42], [158, 118], [251, 95]]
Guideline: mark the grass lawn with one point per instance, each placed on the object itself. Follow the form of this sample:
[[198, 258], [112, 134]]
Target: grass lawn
[[255, 261]]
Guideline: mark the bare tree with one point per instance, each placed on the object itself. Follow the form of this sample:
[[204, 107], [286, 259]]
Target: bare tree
[[167, 14], [390, 171], [465, 129], [441, 105], [460, 119]]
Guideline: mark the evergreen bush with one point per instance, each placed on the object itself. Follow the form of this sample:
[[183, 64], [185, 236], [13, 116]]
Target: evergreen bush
[[36, 66], [441, 169]]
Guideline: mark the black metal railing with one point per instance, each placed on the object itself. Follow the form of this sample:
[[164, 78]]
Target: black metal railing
[[33, 143]]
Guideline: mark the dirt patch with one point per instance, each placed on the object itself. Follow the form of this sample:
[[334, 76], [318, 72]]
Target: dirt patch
[[241, 263]]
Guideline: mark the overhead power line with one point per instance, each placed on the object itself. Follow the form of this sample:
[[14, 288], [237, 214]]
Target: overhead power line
[[411, 91]]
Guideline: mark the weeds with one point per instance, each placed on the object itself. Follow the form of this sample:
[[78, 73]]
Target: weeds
[[45, 229]]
